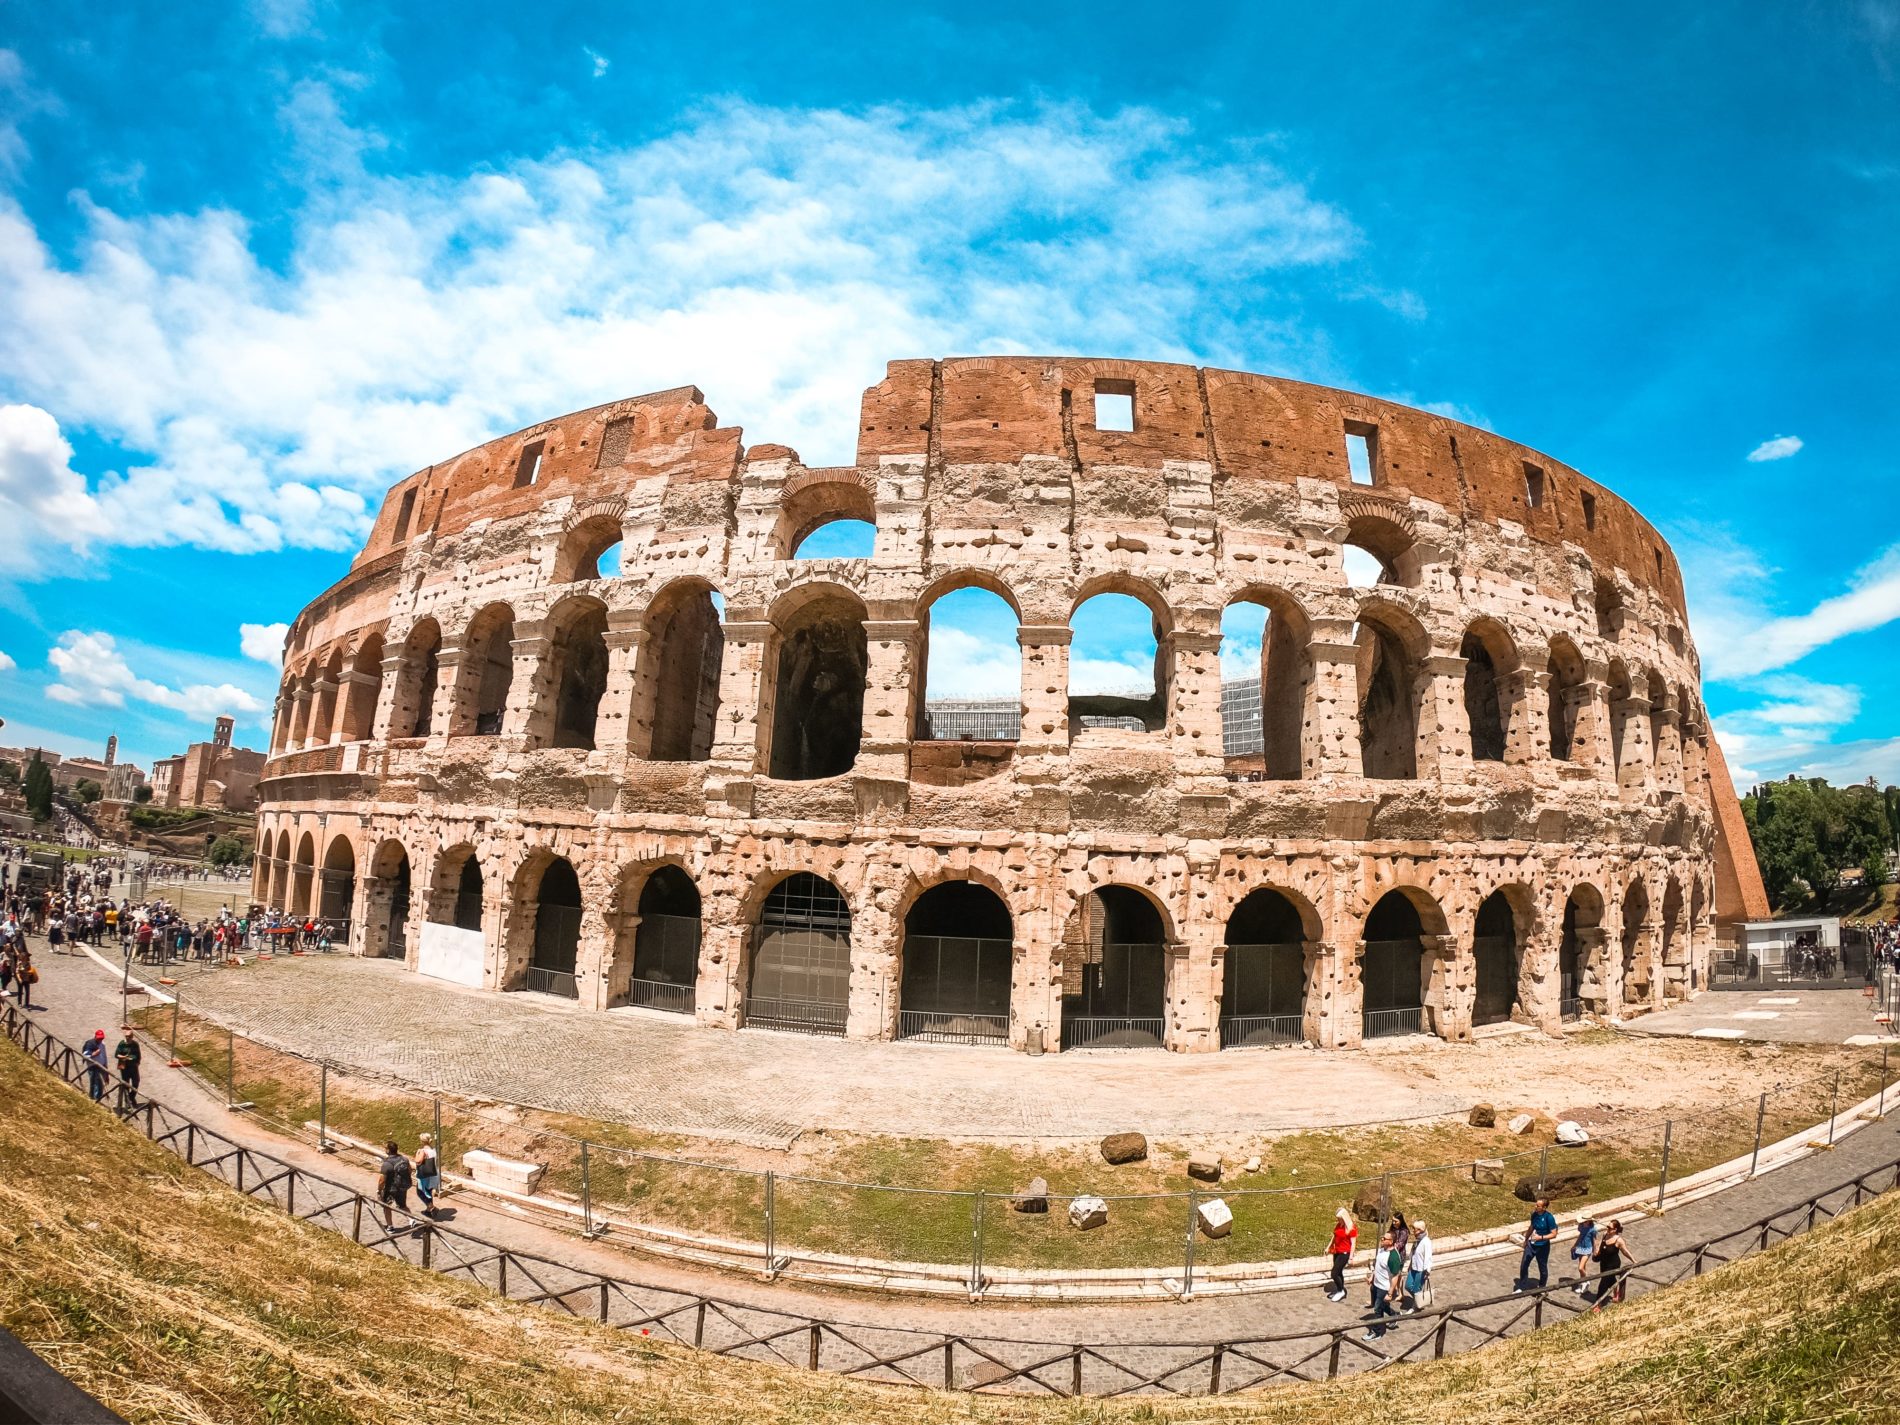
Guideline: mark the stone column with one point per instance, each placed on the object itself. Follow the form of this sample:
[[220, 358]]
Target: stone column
[[326, 715], [1330, 740], [1540, 978], [1668, 751], [394, 667], [1450, 981], [1319, 1013], [1045, 684], [1587, 707], [1193, 984], [877, 962], [593, 956], [621, 726], [884, 739], [1527, 739], [1593, 971], [1035, 981], [528, 720], [745, 700], [1193, 711], [356, 691], [1349, 997], [454, 712], [1633, 769], [1444, 727], [299, 719]]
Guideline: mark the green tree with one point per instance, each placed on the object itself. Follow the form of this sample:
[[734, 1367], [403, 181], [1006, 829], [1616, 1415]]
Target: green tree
[[141, 794], [87, 790], [9, 771], [1806, 833], [39, 789], [226, 851]]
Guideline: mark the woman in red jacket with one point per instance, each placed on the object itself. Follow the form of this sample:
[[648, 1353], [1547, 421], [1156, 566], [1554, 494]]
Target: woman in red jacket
[[1345, 1234]]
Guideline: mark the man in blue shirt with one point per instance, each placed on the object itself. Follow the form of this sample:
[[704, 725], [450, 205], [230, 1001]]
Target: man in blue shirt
[[1537, 1239]]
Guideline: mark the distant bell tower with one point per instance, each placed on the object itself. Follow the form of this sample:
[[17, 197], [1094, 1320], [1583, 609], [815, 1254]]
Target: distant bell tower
[[112, 749], [221, 737]]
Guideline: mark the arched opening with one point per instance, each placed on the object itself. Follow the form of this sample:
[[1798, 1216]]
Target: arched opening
[[282, 726], [1698, 912], [1379, 551], [972, 679], [1118, 675], [487, 672], [579, 651], [386, 928], [1266, 681], [323, 723], [826, 518], [801, 958], [957, 950], [557, 931], [1580, 969], [1488, 656], [1566, 695], [1114, 972], [301, 873], [1635, 961], [1392, 969], [303, 701], [820, 657], [590, 550], [1608, 605], [1263, 979], [365, 686], [1672, 955], [455, 893], [838, 539], [280, 873], [1494, 949], [678, 692], [1388, 701], [414, 712], [338, 898], [666, 943]]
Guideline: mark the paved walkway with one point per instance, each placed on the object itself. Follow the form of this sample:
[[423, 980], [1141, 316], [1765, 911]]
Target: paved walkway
[[80, 997], [664, 1073], [1781, 1016]]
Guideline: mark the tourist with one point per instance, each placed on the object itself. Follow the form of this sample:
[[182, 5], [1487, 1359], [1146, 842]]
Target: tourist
[[428, 1174], [1386, 1265], [1401, 1233], [392, 1184], [1581, 1250], [1418, 1270], [1345, 1234], [94, 1053], [1537, 1239], [27, 976], [1614, 1259], [129, 1055]]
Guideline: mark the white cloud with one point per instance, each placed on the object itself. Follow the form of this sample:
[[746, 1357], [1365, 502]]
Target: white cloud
[[778, 258], [92, 672], [1739, 638], [263, 641], [283, 19], [44, 503], [968, 665], [1780, 448], [1793, 711], [7, 665], [600, 61], [1753, 760]]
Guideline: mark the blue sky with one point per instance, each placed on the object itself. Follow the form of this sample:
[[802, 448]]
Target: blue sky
[[258, 261]]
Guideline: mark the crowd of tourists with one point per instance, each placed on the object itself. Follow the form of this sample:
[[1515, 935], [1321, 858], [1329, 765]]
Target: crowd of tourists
[[156, 932]]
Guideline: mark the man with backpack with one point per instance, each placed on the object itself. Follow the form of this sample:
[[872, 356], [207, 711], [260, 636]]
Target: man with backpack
[[392, 1183]]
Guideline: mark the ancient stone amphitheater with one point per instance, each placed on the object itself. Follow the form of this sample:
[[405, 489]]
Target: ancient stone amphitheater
[[1479, 789]]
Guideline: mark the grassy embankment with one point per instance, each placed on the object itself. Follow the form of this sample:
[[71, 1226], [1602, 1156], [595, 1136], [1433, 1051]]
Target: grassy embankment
[[174, 1299], [1283, 1211]]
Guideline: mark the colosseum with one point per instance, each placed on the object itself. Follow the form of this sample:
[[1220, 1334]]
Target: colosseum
[[1476, 787]]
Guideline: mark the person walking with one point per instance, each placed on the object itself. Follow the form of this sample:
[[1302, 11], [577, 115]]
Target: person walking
[[27, 977], [1581, 1250], [97, 1068], [1613, 1259], [428, 1174], [1345, 1235], [129, 1055], [1537, 1239], [1418, 1268], [1386, 1265], [392, 1184]]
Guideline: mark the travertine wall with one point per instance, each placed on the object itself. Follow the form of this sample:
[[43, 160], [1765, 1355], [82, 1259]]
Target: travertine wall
[[990, 472]]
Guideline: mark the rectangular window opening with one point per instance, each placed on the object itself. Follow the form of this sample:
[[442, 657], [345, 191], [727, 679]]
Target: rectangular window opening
[[1659, 564], [1589, 510], [1115, 405], [403, 512], [529, 470], [1362, 452], [1533, 485]]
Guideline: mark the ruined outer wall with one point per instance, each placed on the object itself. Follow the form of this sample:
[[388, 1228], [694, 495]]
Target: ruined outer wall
[[990, 471]]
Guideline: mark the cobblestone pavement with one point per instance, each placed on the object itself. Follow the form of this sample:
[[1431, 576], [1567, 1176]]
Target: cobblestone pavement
[[80, 997], [1781, 1016], [664, 1073]]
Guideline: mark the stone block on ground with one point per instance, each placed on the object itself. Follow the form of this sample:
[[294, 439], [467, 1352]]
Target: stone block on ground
[[1204, 1167], [1488, 1172], [1215, 1217], [1521, 1124], [1034, 1198], [489, 1170], [1368, 1205], [1124, 1148], [1087, 1213], [1483, 1115], [1252, 1165], [1572, 1134], [1557, 1185]]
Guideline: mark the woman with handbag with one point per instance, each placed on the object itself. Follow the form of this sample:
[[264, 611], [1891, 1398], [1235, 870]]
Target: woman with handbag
[[1418, 1272], [1345, 1235]]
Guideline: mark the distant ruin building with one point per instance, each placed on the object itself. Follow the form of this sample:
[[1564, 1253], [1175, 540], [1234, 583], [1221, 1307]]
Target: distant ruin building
[[213, 775], [1476, 786]]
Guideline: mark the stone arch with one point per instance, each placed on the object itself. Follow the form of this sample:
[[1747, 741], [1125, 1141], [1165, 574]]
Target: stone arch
[[302, 871], [1673, 949], [590, 531], [1404, 983], [386, 907], [1391, 645], [283, 722], [656, 955], [941, 714], [1583, 970], [808, 506], [1387, 533], [1127, 711], [280, 873], [1286, 686], [1115, 969], [958, 949], [486, 673], [1267, 970], [1567, 690], [799, 967], [577, 671], [1635, 942], [323, 718], [412, 712], [544, 925], [1490, 657], [457, 888], [676, 685], [1497, 944], [817, 664], [1619, 688], [336, 898], [363, 687]]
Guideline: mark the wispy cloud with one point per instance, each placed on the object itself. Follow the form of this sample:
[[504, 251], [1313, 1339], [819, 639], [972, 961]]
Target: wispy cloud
[[263, 641], [92, 672], [776, 257], [7, 665], [600, 61], [1741, 638], [1779, 448]]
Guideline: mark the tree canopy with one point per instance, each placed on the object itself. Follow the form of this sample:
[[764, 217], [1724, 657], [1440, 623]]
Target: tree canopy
[[1806, 833], [38, 789]]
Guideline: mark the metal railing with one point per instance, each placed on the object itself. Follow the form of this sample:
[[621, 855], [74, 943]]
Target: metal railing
[[552, 982], [943, 1026], [802, 1016], [656, 994], [1099, 1031], [1384, 1023], [1251, 1031], [901, 1355]]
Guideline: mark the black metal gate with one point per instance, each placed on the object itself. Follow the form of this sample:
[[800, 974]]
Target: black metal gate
[[801, 958], [955, 990], [1263, 995], [1392, 976], [1123, 999]]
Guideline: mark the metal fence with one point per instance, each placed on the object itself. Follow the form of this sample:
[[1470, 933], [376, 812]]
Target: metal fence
[[1107, 1031], [1384, 1023], [1255, 1030], [936, 1026], [803, 1016], [551, 982], [905, 1356], [656, 994]]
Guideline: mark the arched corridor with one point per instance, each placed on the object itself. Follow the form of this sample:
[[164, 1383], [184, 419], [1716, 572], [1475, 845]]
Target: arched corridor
[[1392, 970], [957, 954], [665, 965], [801, 958], [1495, 950], [1114, 972], [1263, 975]]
